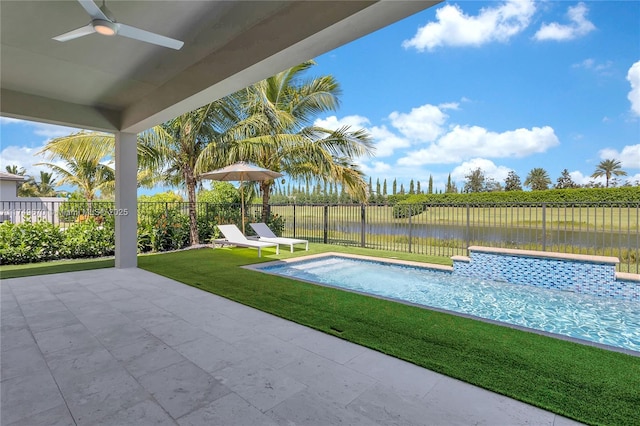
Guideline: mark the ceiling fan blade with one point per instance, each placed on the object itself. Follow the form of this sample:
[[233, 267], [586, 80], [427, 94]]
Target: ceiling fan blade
[[93, 10], [77, 33], [142, 35]]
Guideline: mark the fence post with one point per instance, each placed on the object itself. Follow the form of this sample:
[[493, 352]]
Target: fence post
[[294, 220], [468, 227], [544, 226], [410, 227], [326, 224], [362, 225]]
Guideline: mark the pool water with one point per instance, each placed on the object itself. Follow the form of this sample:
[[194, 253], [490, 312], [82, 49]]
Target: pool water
[[598, 319]]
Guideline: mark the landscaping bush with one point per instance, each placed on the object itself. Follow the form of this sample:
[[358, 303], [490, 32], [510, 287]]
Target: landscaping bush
[[402, 210], [29, 242], [276, 223], [589, 196], [41, 241], [206, 227], [89, 238], [163, 229]]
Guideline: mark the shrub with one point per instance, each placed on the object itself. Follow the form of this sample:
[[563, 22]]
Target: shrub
[[89, 238], [578, 196], [402, 210], [163, 229], [276, 223], [206, 227], [29, 242]]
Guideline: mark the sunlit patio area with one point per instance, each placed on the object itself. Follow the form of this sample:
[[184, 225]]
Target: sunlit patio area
[[126, 346]]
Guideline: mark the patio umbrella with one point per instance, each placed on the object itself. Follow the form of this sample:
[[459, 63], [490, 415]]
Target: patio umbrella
[[241, 172]]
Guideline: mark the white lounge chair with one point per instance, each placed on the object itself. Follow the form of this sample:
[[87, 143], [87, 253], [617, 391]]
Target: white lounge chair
[[265, 234], [233, 236]]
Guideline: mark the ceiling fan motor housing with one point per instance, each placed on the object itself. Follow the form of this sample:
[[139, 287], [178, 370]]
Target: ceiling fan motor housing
[[105, 27]]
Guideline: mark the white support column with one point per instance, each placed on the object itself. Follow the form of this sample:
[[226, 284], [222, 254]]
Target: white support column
[[126, 200]]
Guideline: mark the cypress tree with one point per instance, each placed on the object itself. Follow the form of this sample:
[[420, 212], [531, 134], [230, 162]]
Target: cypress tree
[[418, 189], [384, 188], [394, 187], [430, 189], [412, 189]]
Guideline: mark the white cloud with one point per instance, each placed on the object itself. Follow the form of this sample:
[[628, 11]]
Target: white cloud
[[603, 68], [377, 168], [464, 142], [629, 156], [489, 168], [49, 131], [450, 105], [455, 28], [578, 27], [581, 179], [333, 123], [422, 124], [23, 156], [634, 95], [386, 141]]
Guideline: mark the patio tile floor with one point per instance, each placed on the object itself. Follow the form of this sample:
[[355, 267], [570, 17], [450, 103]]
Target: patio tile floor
[[128, 347]]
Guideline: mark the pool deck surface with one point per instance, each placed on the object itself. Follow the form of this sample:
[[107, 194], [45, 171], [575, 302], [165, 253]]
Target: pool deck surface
[[128, 347]]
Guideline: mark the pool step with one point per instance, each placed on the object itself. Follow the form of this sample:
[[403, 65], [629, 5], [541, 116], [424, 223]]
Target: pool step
[[321, 266]]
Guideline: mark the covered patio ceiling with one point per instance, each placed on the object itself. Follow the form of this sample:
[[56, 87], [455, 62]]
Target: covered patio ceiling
[[126, 86], [119, 84]]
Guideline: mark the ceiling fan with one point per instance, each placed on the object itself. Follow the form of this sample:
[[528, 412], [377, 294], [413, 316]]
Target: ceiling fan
[[103, 22]]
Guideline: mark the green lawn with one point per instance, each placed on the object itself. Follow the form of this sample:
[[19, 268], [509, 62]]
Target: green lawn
[[588, 384]]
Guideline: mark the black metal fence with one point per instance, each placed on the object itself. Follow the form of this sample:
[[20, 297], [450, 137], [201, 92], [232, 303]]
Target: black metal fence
[[606, 229]]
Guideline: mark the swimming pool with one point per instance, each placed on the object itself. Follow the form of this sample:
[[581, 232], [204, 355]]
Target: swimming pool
[[602, 320]]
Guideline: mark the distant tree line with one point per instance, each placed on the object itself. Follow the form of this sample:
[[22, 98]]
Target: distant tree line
[[538, 179], [476, 181]]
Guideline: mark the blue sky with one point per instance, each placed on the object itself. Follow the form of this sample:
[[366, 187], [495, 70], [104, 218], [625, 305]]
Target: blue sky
[[501, 85]]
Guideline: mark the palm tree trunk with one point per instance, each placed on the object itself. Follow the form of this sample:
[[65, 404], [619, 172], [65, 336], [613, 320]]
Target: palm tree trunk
[[266, 208], [191, 197]]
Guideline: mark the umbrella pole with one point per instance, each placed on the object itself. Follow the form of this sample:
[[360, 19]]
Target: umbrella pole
[[242, 206]]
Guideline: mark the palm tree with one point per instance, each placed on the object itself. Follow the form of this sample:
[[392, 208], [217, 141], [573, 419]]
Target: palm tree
[[14, 170], [538, 179], [46, 185], [165, 153], [278, 134], [90, 176], [90, 146], [183, 141], [27, 188], [607, 168]]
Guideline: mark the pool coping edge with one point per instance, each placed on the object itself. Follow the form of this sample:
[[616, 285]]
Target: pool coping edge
[[443, 268]]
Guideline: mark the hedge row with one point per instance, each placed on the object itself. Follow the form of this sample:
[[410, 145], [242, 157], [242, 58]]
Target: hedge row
[[41, 241], [159, 229], [578, 196]]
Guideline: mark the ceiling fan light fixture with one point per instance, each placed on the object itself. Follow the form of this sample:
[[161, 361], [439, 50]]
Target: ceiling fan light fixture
[[104, 27]]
